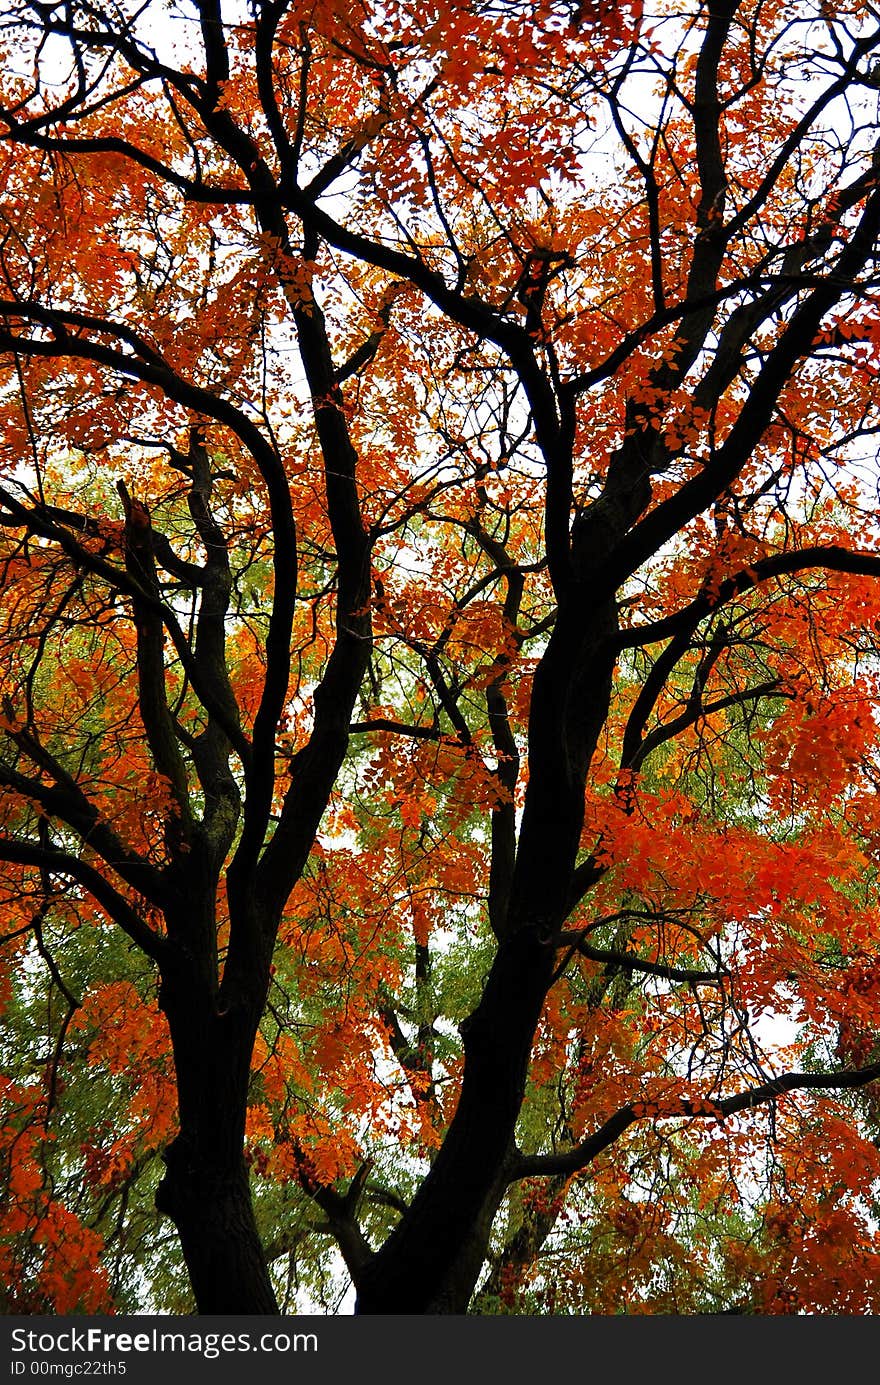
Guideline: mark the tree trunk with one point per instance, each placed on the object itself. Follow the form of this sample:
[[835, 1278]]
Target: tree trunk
[[212, 1209], [206, 1190], [431, 1262]]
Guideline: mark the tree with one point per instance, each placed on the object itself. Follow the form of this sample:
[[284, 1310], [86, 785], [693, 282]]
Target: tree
[[439, 611]]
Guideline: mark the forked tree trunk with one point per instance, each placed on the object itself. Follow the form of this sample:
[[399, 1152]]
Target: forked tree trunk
[[431, 1262]]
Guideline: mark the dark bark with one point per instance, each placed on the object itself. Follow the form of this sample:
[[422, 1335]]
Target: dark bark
[[212, 1209], [431, 1262], [205, 1190]]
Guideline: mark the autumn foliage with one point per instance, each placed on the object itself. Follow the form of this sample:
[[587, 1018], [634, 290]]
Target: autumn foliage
[[439, 610]]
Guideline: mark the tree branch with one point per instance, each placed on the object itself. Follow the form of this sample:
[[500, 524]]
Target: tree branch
[[684, 622], [47, 858], [572, 1160]]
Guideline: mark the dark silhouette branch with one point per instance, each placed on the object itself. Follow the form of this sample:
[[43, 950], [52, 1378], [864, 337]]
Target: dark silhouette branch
[[573, 1160], [117, 907]]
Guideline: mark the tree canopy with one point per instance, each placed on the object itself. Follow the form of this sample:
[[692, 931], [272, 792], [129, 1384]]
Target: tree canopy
[[439, 610]]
